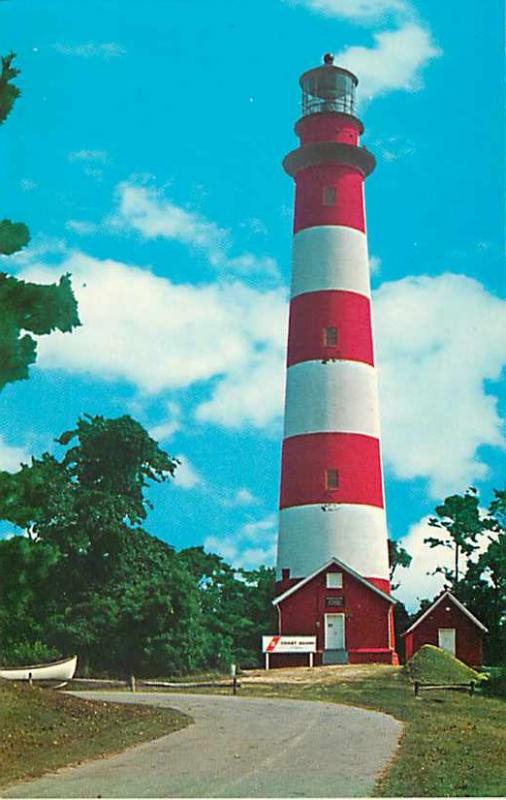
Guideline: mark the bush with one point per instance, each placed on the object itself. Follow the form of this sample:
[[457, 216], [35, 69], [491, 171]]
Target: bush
[[28, 653], [496, 684]]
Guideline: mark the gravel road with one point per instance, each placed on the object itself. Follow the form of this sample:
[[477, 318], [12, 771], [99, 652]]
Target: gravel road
[[237, 747]]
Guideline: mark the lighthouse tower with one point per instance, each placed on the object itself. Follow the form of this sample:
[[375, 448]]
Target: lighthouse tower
[[332, 515]]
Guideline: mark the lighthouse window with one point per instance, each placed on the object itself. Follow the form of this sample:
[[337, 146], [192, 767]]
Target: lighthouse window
[[334, 580], [332, 479], [329, 196], [330, 337]]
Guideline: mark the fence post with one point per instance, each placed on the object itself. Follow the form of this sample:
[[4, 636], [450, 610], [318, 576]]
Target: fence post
[[417, 688], [30, 679], [472, 687], [233, 670]]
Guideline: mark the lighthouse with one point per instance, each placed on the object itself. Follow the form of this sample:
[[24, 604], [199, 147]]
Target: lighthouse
[[332, 562]]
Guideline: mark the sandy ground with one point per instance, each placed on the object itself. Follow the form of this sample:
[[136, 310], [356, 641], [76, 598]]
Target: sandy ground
[[330, 674], [237, 747]]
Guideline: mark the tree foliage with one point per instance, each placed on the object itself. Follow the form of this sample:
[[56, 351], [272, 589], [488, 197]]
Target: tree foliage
[[460, 517], [9, 92], [398, 556], [25, 308], [479, 581], [87, 578]]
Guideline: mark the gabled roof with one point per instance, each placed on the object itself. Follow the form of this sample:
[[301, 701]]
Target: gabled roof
[[448, 596], [344, 567]]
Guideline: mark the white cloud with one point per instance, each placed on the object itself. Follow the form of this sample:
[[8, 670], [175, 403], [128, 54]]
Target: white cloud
[[253, 545], [375, 265], [438, 340], [159, 335], [394, 62], [243, 497], [11, 456], [147, 212], [96, 156], [416, 582], [186, 476], [104, 50], [81, 227], [169, 426], [360, 11]]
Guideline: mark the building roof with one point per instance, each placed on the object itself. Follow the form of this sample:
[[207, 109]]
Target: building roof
[[343, 566], [448, 596]]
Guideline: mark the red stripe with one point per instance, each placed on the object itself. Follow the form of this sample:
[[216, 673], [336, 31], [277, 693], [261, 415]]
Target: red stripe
[[306, 459], [349, 207], [329, 128], [311, 313]]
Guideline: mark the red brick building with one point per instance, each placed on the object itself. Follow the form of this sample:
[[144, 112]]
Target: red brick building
[[351, 618], [448, 624]]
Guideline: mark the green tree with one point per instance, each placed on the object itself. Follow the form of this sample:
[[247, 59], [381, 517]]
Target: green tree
[[25, 308], [460, 517], [398, 556]]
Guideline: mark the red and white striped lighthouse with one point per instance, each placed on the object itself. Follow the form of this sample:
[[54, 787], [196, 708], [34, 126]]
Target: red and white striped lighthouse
[[331, 498]]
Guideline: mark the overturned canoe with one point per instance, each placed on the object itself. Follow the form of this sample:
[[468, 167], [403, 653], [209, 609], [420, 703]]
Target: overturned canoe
[[62, 670]]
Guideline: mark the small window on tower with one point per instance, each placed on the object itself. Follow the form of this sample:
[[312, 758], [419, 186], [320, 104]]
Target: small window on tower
[[329, 196], [330, 337], [332, 479]]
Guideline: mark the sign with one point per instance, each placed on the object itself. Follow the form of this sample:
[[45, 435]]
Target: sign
[[289, 644]]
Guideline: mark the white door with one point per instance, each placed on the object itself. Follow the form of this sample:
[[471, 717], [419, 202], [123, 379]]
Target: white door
[[446, 639], [334, 631]]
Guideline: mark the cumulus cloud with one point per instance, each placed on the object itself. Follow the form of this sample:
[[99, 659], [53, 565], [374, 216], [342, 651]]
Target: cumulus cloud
[[438, 340], [186, 476], [416, 581], [11, 456], [159, 336], [81, 227], [145, 210], [397, 57], [103, 50], [360, 11], [97, 156], [395, 61], [169, 426], [251, 546]]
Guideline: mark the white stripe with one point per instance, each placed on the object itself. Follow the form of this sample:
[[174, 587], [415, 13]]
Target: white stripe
[[330, 257], [336, 396], [310, 537]]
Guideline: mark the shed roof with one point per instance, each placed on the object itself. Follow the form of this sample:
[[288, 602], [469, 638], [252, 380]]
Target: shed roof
[[448, 596], [343, 566]]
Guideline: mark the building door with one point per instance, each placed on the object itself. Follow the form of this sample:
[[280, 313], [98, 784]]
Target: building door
[[446, 639], [334, 631]]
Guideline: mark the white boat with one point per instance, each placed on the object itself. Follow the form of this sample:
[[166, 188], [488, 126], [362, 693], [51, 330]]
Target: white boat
[[63, 670]]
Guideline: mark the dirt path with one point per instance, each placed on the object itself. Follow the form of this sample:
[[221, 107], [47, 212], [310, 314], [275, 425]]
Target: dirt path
[[238, 747]]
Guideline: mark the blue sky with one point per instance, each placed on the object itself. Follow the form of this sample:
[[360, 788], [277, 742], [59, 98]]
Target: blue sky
[[145, 156]]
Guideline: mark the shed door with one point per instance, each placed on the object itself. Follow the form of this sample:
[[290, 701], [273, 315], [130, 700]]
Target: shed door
[[446, 639], [334, 631]]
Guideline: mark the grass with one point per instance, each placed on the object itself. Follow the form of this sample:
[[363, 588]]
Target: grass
[[452, 744], [432, 665], [43, 730]]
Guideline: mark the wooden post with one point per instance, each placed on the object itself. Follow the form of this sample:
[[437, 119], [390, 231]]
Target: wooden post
[[131, 683], [472, 687], [417, 688], [233, 670], [30, 679]]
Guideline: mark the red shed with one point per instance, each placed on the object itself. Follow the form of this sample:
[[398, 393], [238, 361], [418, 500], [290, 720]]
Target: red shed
[[351, 618], [448, 624]]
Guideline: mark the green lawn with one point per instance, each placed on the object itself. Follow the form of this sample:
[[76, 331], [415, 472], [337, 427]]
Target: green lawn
[[452, 745], [42, 730]]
